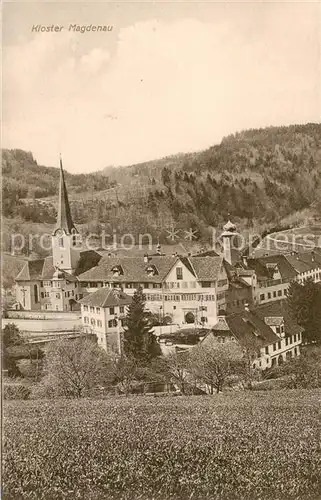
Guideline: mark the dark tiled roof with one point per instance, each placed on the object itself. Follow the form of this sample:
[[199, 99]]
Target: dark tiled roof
[[134, 269], [87, 260], [106, 297], [304, 261], [247, 328], [32, 270], [262, 266], [206, 268], [279, 308]]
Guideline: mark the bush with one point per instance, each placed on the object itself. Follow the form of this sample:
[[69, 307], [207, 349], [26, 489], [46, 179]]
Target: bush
[[16, 391]]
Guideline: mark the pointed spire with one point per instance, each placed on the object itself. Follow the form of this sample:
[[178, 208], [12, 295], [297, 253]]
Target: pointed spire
[[64, 219]]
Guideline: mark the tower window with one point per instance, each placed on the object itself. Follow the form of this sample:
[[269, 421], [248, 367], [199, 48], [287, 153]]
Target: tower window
[[61, 242]]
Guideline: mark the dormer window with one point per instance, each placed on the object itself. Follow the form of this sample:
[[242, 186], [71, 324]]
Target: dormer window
[[117, 270], [151, 270]]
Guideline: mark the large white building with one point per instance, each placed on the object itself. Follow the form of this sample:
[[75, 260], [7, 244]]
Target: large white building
[[103, 313]]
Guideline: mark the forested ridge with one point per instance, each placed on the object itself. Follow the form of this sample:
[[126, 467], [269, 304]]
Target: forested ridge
[[258, 176]]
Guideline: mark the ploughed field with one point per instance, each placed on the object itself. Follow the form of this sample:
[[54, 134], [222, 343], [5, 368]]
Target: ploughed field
[[230, 446]]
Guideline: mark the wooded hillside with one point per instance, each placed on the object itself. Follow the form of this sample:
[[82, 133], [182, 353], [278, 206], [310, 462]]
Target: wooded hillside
[[259, 177]]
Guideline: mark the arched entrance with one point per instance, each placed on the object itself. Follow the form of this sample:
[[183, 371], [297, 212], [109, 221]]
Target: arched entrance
[[74, 306], [189, 317]]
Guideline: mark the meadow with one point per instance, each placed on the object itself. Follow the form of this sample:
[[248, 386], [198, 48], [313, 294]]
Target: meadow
[[262, 445]]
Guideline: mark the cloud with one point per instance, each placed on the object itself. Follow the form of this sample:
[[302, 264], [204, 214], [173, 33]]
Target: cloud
[[94, 60], [168, 86]]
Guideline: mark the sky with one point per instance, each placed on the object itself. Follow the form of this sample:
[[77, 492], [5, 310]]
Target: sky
[[169, 77]]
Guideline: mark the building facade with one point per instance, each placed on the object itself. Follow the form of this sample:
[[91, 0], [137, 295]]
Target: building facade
[[103, 313]]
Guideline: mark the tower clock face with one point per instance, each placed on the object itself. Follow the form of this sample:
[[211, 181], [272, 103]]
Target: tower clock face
[[59, 232]]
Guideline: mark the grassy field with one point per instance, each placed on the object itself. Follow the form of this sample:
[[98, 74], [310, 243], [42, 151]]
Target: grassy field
[[232, 446]]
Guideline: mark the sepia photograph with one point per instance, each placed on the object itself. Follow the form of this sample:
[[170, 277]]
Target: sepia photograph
[[161, 250]]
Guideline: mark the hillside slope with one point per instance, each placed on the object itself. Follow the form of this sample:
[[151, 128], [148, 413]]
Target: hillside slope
[[259, 177]]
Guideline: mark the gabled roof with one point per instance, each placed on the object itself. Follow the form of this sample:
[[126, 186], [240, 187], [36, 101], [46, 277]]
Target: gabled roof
[[246, 327], [304, 261], [31, 270], [106, 297], [206, 268], [135, 268], [262, 267]]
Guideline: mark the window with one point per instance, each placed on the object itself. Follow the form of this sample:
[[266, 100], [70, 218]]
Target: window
[[274, 294], [179, 273], [294, 338], [121, 309], [85, 308], [36, 293], [279, 345], [97, 310], [93, 322], [99, 323], [274, 347], [206, 284], [61, 242], [57, 295], [42, 295], [92, 309], [267, 350], [269, 295], [262, 296], [112, 323], [86, 319], [111, 310], [279, 293], [287, 341], [41, 283]]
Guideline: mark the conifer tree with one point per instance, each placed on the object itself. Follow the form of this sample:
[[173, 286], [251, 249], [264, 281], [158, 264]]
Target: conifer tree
[[139, 340], [305, 305]]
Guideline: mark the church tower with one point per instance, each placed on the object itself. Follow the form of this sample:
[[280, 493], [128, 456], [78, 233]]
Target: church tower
[[65, 236], [229, 232]]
